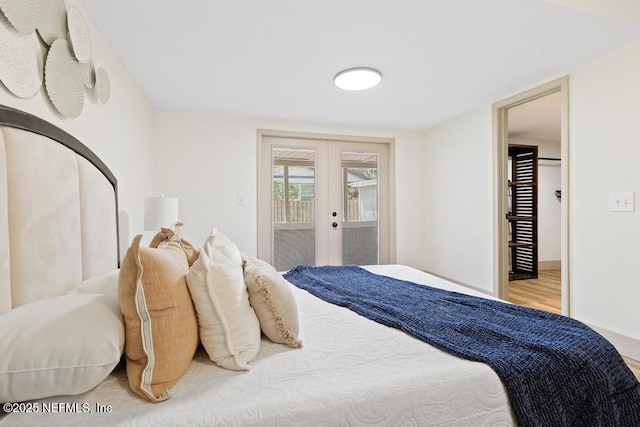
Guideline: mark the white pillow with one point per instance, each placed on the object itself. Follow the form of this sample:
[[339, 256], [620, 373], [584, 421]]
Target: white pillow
[[105, 284], [271, 297], [60, 346], [228, 326], [222, 243]]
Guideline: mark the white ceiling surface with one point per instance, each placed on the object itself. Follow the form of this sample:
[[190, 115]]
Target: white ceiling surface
[[537, 120], [277, 58]]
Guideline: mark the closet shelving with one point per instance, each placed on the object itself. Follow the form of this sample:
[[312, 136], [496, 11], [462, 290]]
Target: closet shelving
[[523, 211]]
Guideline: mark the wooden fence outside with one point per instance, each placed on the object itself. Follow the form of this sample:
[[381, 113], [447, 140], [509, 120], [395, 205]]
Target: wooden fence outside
[[303, 211]]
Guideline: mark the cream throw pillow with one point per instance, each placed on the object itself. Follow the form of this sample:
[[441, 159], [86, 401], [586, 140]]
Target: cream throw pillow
[[161, 324], [271, 297], [104, 284], [59, 346], [222, 243], [229, 328]]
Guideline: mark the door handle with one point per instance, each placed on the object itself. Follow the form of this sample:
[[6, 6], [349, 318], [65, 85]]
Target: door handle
[[334, 224]]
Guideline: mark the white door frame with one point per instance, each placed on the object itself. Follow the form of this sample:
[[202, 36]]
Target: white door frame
[[264, 189], [500, 146]]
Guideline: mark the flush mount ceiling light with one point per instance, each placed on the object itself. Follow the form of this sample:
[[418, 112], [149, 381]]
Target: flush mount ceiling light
[[359, 78]]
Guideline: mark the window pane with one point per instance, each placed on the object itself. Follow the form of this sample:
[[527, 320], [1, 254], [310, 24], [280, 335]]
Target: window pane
[[293, 207], [360, 208]]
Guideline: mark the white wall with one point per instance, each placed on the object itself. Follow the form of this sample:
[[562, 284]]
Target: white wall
[[206, 160], [458, 199], [604, 151], [605, 154], [549, 180], [119, 132]]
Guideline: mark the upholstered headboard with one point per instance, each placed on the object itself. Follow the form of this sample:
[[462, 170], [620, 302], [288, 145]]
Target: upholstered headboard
[[58, 211]]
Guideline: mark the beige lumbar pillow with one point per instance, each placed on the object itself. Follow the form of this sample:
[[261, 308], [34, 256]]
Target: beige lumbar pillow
[[229, 328], [166, 235], [160, 321], [272, 299]]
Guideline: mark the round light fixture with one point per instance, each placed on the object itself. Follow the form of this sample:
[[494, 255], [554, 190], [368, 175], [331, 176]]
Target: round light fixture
[[359, 78]]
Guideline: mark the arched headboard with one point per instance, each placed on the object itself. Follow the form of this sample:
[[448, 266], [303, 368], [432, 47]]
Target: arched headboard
[[58, 211]]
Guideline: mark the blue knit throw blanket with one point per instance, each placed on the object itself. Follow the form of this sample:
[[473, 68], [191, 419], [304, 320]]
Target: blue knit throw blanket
[[556, 370]]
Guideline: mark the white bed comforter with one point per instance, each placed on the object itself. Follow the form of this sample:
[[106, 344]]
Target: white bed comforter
[[350, 371]]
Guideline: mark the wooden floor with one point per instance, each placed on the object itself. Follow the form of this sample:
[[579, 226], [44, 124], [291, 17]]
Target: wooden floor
[[544, 293], [634, 365]]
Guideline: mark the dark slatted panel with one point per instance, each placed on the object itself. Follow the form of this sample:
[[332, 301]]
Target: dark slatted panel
[[523, 218]]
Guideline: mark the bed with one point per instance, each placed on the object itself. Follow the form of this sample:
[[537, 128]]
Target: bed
[[59, 249]]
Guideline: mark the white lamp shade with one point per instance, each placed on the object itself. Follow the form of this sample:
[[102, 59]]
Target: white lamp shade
[[160, 212]]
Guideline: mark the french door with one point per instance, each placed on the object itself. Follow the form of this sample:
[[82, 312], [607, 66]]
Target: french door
[[322, 201]]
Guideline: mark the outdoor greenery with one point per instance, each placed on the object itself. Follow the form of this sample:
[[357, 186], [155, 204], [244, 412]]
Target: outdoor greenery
[[296, 191]]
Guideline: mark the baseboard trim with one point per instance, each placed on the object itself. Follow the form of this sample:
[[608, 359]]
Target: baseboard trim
[[626, 345], [457, 282], [549, 265]]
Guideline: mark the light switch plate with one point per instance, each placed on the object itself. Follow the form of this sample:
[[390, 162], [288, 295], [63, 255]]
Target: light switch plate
[[622, 201]]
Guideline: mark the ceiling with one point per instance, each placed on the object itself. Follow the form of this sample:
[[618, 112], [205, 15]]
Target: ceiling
[[537, 120], [277, 58]]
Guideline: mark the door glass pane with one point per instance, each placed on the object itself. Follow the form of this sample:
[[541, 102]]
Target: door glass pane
[[293, 207], [360, 208]]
